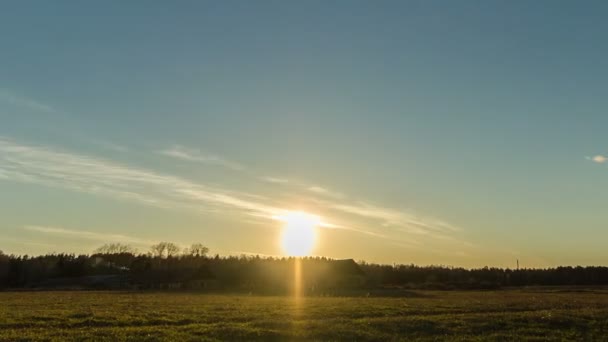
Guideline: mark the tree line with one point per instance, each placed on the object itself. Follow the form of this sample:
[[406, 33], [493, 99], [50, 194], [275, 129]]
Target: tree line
[[166, 265]]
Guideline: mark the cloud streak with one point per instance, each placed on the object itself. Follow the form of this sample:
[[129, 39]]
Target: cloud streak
[[56, 168], [324, 192], [110, 146], [86, 235], [598, 159], [40, 165], [403, 221], [192, 155], [22, 101], [25, 242], [275, 180]]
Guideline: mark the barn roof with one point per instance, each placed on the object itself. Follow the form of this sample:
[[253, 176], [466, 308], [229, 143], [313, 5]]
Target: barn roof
[[346, 267]]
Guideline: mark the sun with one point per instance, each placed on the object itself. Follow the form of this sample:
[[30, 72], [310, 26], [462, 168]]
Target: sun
[[299, 232]]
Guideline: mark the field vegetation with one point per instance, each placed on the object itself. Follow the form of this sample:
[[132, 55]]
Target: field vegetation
[[531, 314]]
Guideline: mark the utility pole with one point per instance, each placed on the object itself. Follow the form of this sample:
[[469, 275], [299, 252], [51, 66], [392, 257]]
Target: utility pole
[[517, 264]]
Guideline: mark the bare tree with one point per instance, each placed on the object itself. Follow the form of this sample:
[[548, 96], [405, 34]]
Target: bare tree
[[103, 249], [197, 249], [158, 250], [165, 249], [115, 248], [172, 249]]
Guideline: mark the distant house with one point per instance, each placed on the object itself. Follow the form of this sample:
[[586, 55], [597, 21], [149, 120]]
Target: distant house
[[99, 261], [321, 275], [343, 274], [347, 273]]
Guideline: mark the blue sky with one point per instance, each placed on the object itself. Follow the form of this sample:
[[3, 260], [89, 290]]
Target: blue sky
[[431, 132]]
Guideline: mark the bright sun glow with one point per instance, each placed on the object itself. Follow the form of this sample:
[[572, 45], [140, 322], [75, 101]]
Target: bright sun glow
[[299, 232]]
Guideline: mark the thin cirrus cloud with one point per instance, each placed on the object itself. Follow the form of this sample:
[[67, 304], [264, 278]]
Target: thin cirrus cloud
[[107, 145], [87, 235], [41, 165], [56, 168], [192, 155], [275, 180], [25, 242], [12, 98], [324, 191], [398, 220], [598, 159], [311, 188]]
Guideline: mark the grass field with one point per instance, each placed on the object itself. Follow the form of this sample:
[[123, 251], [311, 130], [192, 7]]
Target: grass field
[[534, 314]]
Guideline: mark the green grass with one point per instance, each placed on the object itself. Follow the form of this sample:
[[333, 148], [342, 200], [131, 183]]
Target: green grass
[[540, 314]]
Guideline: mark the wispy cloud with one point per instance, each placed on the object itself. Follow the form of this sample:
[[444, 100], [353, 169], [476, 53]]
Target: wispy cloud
[[192, 155], [25, 242], [325, 192], [77, 172], [598, 159], [402, 221], [41, 165], [253, 254], [395, 223], [80, 234], [275, 180], [22, 101], [316, 189], [356, 230], [110, 146]]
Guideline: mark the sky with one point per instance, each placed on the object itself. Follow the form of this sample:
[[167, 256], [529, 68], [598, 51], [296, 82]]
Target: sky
[[464, 133]]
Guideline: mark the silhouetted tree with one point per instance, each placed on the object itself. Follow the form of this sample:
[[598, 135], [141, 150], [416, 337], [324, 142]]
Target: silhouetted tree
[[4, 269], [165, 249], [115, 248], [163, 266], [196, 250], [158, 250], [172, 249]]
